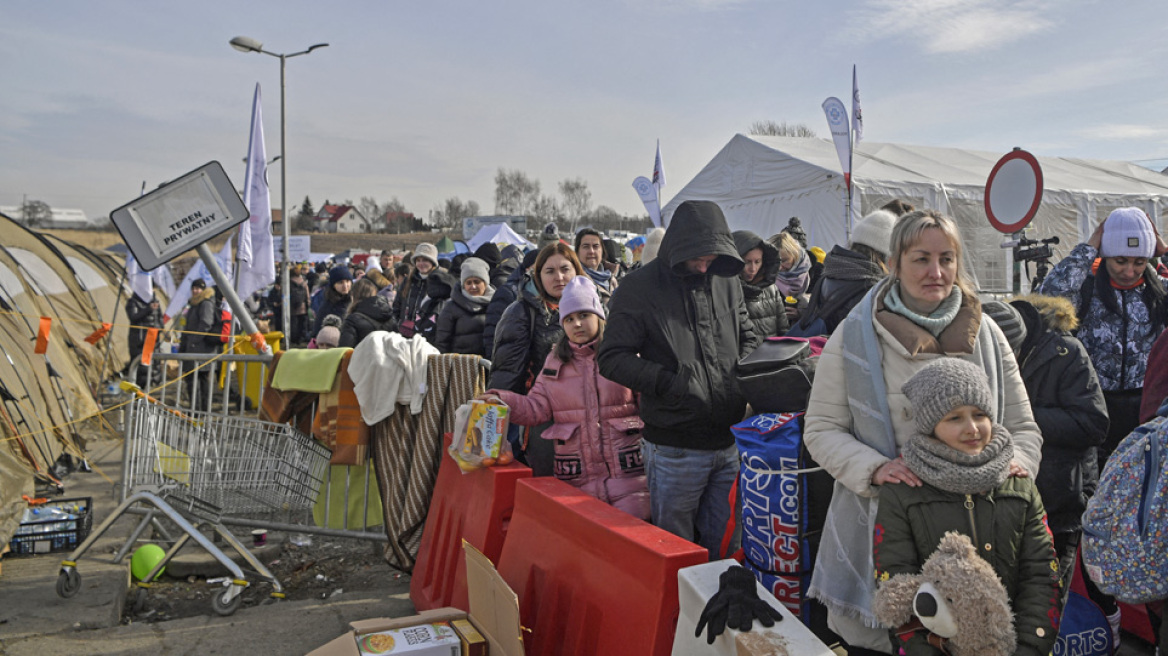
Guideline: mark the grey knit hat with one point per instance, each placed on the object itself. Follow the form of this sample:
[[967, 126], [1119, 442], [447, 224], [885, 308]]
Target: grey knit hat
[[942, 385], [1009, 320], [473, 267], [1127, 233], [875, 231], [428, 251]]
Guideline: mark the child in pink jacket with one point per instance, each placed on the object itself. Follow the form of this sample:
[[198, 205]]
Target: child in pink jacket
[[597, 430]]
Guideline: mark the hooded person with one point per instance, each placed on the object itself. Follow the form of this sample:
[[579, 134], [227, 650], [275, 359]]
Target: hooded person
[[336, 297], [549, 235], [368, 312], [407, 303], [848, 274], [763, 302], [460, 324], [677, 327]]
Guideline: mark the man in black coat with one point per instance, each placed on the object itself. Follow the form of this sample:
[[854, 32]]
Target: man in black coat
[[143, 315], [676, 329]]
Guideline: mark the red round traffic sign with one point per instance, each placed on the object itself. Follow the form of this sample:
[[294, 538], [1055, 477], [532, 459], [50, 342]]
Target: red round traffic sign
[[1013, 191]]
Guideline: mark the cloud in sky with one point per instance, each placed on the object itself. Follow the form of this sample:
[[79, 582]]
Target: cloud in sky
[[951, 26]]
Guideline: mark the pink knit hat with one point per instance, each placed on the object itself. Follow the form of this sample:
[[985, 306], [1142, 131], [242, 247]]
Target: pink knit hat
[[580, 296]]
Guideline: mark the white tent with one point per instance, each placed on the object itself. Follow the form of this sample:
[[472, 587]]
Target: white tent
[[497, 233], [760, 182]]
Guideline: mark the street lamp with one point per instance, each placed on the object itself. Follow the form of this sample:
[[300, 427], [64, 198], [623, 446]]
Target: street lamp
[[248, 44]]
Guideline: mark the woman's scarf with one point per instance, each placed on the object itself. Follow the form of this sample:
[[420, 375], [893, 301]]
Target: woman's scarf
[[946, 468], [797, 279], [602, 277], [936, 321]]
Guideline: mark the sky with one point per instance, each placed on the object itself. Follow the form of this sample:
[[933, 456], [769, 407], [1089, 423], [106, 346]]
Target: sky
[[425, 100]]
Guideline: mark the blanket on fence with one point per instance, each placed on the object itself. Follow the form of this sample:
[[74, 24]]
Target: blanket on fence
[[407, 449]]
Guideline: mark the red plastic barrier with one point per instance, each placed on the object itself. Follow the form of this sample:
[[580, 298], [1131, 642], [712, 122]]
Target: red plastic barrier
[[476, 507], [591, 579]]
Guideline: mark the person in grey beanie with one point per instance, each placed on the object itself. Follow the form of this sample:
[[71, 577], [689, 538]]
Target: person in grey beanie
[[963, 461], [460, 324]]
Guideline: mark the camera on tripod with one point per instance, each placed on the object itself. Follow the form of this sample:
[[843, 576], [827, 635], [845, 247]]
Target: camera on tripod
[[1033, 250]]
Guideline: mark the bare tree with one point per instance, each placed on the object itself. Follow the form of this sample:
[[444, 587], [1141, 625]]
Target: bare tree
[[577, 201], [783, 129], [515, 193], [450, 214], [36, 212], [371, 213]]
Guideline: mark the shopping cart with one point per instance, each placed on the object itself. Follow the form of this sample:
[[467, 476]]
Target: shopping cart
[[194, 468]]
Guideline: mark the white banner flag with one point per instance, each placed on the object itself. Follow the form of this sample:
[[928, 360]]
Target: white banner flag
[[857, 115], [161, 277], [183, 293], [837, 120], [139, 280], [648, 193], [257, 263]]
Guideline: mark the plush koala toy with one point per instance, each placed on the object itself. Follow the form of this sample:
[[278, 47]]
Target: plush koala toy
[[957, 597]]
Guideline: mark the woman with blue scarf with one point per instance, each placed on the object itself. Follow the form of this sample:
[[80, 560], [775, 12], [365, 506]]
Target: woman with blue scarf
[[858, 418]]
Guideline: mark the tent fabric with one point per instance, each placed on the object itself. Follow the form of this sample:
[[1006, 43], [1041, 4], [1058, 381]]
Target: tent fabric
[[760, 182], [497, 233], [445, 245]]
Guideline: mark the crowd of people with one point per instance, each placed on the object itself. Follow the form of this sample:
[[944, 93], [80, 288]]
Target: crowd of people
[[931, 409]]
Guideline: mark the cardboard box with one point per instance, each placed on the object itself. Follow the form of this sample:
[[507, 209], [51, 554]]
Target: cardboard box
[[437, 639], [494, 612]]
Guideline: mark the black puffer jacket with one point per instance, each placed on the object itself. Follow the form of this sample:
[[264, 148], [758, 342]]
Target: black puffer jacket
[[141, 316], [525, 335], [763, 302], [460, 325], [505, 295], [847, 276], [405, 304], [333, 304], [368, 315], [1068, 406], [676, 337], [439, 286]]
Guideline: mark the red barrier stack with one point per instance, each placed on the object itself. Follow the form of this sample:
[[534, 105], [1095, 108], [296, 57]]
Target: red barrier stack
[[475, 507], [591, 579]]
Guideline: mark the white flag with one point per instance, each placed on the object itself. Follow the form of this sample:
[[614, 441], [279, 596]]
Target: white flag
[[257, 263], [837, 121], [658, 172], [161, 277], [183, 293], [139, 280], [648, 193], [857, 115]]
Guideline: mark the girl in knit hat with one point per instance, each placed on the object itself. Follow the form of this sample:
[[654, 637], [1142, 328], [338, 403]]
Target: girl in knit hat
[[596, 429], [968, 485]]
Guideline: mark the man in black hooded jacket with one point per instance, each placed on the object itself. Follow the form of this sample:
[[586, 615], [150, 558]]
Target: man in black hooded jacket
[[676, 329]]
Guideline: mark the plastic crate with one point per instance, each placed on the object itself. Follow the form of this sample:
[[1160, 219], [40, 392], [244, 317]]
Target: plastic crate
[[55, 535]]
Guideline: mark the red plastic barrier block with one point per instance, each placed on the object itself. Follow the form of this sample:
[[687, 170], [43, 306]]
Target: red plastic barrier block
[[475, 507], [591, 579]]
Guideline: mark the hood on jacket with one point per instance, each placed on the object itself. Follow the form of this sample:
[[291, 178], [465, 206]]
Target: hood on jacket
[[374, 307], [746, 241], [208, 294], [439, 284], [1055, 312], [698, 229]]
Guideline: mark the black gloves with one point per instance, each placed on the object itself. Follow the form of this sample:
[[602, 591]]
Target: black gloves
[[736, 604]]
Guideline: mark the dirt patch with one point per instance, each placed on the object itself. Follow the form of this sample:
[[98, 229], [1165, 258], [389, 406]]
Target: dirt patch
[[329, 567]]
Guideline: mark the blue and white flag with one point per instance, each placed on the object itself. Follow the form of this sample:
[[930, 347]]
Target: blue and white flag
[[139, 281]]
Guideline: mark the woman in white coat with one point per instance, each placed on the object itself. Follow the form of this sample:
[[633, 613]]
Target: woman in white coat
[[858, 418]]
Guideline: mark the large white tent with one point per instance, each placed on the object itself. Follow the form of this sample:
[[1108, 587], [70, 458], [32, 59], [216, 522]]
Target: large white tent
[[761, 182], [497, 233]]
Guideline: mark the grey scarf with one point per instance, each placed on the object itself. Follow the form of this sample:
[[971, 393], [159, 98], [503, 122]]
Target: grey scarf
[[946, 468]]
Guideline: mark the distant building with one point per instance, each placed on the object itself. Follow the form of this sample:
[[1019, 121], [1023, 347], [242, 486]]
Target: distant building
[[345, 219], [69, 219]]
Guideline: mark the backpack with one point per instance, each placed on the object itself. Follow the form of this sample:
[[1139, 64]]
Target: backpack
[[1125, 526]]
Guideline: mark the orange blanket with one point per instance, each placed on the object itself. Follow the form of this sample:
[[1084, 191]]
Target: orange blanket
[[338, 421]]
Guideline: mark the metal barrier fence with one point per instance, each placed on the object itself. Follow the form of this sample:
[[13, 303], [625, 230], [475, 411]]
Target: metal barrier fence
[[232, 385]]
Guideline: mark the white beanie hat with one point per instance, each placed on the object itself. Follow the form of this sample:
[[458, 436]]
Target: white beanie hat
[[875, 231], [428, 251], [580, 296], [1128, 233]]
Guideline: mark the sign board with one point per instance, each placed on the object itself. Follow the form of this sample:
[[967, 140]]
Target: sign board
[[299, 248], [472, 224], [1013, 191], [180, 215]]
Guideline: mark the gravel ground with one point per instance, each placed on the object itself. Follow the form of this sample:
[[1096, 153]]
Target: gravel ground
[[326, 568]]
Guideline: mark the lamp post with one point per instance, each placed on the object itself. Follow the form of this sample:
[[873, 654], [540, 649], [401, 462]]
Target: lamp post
[[248, 44]]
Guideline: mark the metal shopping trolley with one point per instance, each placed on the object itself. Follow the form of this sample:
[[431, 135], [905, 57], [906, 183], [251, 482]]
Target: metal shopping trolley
[[194, 468]]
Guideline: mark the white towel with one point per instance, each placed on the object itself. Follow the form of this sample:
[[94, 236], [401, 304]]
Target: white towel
[[388, 369]]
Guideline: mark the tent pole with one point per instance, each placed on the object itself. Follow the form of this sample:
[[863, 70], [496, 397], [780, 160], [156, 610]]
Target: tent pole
[[109, 339]]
